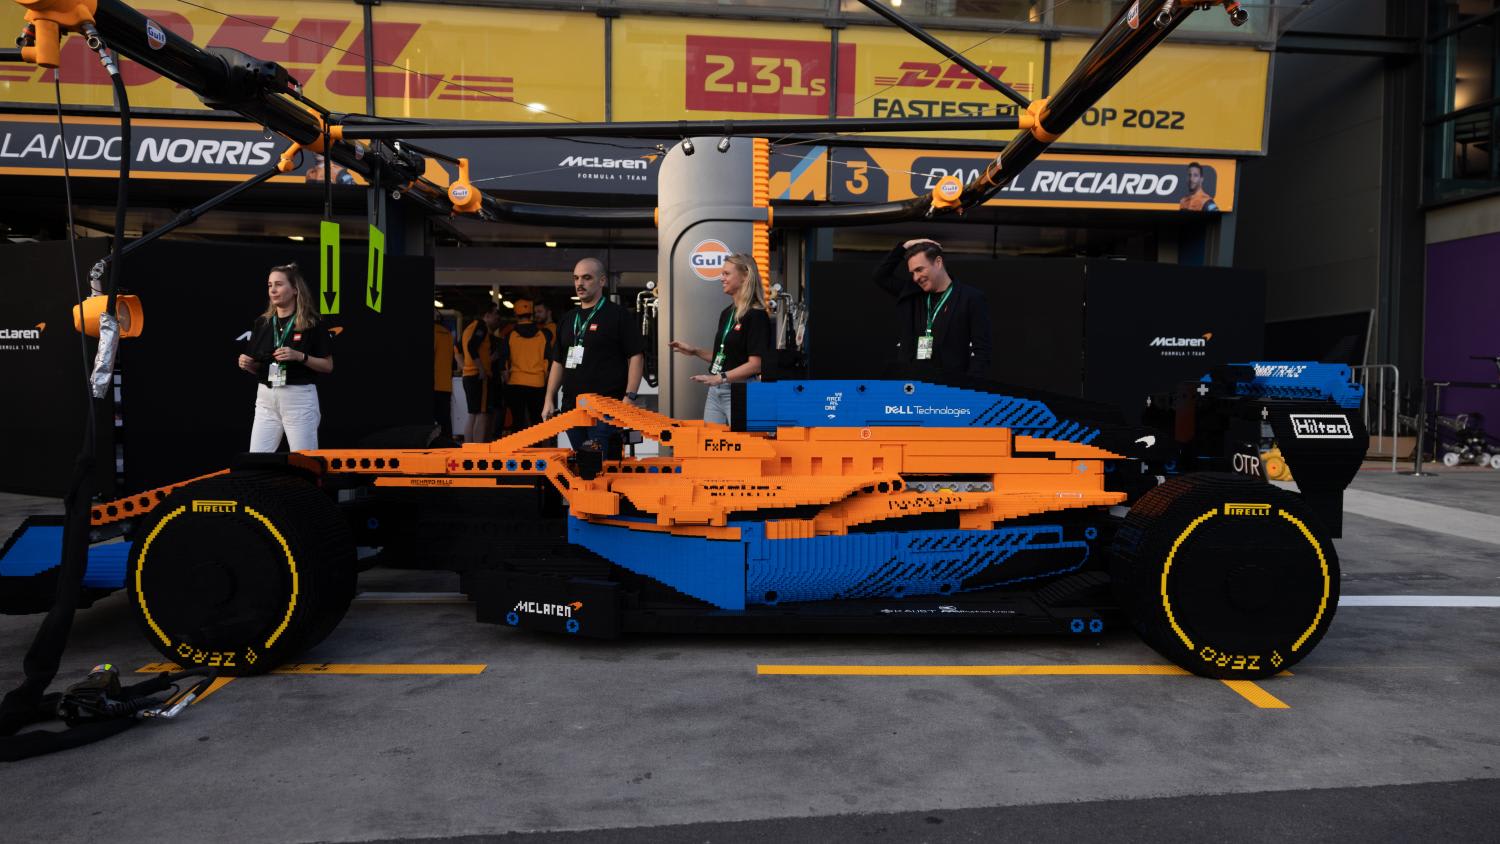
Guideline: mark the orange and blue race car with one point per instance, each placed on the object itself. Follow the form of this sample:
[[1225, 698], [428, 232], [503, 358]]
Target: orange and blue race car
[[824, 506]]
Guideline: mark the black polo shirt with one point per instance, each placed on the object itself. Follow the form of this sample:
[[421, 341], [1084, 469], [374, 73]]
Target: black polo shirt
[[313, 341], [960, 328], [611, 337], [747, 336]]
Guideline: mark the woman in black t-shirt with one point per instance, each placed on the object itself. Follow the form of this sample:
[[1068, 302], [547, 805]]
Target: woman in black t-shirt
[[742, 337], [287, 351]]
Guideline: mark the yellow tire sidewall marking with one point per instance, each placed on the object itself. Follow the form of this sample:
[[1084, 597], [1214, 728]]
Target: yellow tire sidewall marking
[[291, 604], [140, 565], [1323, 565], [1166, 601]]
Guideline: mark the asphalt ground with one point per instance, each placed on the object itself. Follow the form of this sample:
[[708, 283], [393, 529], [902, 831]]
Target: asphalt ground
[[1387, 732]]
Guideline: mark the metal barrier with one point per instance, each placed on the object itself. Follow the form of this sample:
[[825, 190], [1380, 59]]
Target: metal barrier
[[1382, 383]]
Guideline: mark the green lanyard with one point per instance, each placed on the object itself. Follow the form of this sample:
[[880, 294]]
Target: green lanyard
[[724, 337], [577, 328], [279, 335], [933, 312]]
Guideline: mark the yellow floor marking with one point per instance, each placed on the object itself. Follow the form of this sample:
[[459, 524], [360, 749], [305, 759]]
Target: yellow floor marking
[[1256, 695], [359, 668], [342, 668], [218, 683], [974, 670]]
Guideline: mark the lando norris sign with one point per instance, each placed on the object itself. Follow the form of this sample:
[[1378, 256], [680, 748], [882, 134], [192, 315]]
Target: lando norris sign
[[162, 149]]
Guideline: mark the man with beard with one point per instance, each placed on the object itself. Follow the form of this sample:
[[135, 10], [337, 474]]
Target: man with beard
[[598, 350]]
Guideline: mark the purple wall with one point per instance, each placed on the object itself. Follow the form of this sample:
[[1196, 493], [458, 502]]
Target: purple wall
[[1463, 318]]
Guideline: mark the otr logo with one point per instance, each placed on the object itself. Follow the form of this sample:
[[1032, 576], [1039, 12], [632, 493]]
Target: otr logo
[[707, 258]]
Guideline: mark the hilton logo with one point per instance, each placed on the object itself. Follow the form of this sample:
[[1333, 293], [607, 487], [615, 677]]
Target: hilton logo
[[1247, 509], [215, 506], [1321, 426]]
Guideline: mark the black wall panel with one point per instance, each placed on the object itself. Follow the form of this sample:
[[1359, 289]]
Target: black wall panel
[[187, 408], [1151, 326], [43, 378]]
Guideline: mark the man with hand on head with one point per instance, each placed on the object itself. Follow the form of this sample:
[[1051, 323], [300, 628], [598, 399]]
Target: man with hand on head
[[599, 349], [943, 326]]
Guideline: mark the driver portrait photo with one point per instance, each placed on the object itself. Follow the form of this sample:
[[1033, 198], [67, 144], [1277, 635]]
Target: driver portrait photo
[[1197, 198]]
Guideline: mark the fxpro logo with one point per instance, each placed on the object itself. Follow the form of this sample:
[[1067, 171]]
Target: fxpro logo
[[1182, 346], [550, 610], [1321, 426], [707, 258]]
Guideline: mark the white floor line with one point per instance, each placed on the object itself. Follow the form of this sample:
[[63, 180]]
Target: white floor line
[[1435, 518], [1420, 601], [412, 597]]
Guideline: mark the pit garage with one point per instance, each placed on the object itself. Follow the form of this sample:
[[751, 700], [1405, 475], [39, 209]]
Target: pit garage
[[1154, 538]]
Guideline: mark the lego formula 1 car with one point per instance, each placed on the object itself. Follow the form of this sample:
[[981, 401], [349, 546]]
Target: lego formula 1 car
[[830, 506]]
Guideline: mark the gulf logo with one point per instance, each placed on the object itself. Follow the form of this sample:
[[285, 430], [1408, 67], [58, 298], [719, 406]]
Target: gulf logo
[[707, 258]]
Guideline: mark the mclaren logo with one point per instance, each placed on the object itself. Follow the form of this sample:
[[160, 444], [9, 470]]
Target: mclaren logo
[[598, 168], [554, 610], [1182, 347], [23, 333], [215, 506], [594, 162], [1182, 342], [1246, 509]]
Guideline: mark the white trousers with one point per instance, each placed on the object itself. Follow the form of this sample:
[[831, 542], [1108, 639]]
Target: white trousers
[[292, 409]]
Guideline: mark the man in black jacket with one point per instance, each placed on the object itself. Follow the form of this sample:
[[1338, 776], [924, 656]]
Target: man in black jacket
[[944, 326]]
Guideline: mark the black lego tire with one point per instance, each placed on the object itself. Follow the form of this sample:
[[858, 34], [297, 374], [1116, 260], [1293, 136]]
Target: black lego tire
[[242, 572], [1226, 576]]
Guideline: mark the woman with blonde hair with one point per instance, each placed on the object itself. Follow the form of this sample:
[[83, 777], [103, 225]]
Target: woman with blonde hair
[[742, 337], [288, 350]]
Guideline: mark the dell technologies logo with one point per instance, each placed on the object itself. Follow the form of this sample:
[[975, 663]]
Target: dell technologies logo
[[1321, 426]]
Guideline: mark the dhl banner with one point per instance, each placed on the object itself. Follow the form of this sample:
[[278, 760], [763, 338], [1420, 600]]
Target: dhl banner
[[463, 63], [458, 62], [1137, 183], [897, 76], [1181, 96]]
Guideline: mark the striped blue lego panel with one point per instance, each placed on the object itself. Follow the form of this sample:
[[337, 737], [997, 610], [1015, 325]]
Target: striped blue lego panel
[[865, 404], [711, 570], [38, 548], [1301, 380], [896, 564]]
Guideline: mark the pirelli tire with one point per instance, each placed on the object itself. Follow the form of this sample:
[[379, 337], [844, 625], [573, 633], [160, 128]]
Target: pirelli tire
[[242, 572], [1226, 576]]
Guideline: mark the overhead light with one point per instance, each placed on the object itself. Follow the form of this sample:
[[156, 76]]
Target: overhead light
[[297, 237], [551, 244], [508, 304], [437, 303], [535, 107], [896, 3]]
